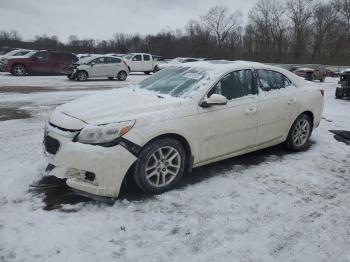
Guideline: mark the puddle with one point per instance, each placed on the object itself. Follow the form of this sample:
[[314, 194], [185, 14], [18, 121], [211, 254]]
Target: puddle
[[56, 193], [13, 113], [341, 136]]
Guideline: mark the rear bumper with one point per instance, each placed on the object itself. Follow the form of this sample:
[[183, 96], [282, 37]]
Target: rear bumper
[[93, 169]]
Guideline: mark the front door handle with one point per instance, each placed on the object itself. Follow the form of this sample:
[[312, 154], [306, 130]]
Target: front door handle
[[292, 101], [251, 111]]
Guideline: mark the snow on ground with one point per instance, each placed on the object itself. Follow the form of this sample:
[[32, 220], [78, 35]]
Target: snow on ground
[[271, 205], [62, 82]]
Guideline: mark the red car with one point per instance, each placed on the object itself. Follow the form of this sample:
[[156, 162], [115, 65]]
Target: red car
[[41, 62], [331, 73]]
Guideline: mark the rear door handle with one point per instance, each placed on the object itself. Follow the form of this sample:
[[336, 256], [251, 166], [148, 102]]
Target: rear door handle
[[251, 111], [292, 101]]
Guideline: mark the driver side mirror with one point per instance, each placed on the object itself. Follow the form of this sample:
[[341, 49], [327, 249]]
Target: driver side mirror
[[93, 63], [214, 100]]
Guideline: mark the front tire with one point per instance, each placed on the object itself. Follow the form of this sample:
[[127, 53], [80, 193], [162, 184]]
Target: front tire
[[160, 165], [299, 134], [339, 93], [82, 76], [18, 70], [122, 75]]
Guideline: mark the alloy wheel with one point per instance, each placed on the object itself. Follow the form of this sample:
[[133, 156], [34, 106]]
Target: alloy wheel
[[163, 166], [19, 70], [301, 132]]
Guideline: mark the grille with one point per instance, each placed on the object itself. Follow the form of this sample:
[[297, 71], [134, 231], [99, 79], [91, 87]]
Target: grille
[[51, 145]]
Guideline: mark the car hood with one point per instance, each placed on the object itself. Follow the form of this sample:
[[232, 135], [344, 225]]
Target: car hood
[[118, 105]]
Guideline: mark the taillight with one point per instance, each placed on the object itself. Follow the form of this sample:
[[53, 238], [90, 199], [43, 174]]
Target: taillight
[[322, 92]]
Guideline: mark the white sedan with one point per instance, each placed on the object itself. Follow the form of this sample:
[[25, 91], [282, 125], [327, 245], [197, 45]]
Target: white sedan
[[97, 66], [180, 118]]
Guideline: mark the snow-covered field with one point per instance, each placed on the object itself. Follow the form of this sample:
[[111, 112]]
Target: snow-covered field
[[26, 83], [271, 205]]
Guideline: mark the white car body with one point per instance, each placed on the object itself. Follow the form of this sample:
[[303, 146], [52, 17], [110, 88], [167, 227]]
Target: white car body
[[140, 62], [214, 133], [110, 66]]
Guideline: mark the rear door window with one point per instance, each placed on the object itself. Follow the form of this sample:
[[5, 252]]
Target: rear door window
[[113, 60], [146, 57], [271, 80]]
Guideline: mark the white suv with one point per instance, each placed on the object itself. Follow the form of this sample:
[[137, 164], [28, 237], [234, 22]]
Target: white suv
[[99, 66], [182, 117], [141, 62]]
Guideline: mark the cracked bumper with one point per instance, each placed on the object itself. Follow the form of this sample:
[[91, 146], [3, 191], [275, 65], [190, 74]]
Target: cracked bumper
[[73, 160]]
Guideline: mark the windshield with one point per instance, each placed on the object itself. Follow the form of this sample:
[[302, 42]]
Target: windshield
[[128, 57], [24, 53], [86, 60], [175, 81], [13, 52]]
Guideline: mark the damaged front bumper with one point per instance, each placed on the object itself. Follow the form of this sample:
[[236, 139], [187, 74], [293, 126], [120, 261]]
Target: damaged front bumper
[[89, 168]]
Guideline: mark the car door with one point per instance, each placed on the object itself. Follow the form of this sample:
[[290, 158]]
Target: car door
[[98, 67], [41, 63], [277, 104], [227, 129], [114, 66], [136, 63], [147, 63]]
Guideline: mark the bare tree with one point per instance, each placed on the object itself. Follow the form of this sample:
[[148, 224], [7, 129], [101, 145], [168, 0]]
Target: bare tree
[[220, 23], [325, 16], [300, 14], [343, 7], [267, 19]]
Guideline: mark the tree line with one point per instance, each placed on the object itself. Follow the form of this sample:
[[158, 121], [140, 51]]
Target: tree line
[[275, 31]]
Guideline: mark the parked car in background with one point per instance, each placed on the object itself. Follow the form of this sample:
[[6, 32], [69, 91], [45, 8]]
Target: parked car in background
[[175, 61], [158, 58], [182, 117], [344, 89], [141, 62], [331, 73], [40, 62], [99, 66], [312, 72], [19, 54]]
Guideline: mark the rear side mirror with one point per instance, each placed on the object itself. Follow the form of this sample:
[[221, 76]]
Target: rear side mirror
[[214, 100]]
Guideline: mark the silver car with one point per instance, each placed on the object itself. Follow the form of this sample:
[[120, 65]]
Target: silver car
[[99, 66]]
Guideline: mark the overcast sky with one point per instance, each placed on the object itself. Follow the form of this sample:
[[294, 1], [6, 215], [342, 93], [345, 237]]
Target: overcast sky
[[101, 19]]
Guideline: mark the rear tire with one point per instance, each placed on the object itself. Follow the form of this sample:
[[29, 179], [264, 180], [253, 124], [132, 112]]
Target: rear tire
[[122, 75], [299, 133], [160, 165], [339, 93], [18, 70], [82, 76]]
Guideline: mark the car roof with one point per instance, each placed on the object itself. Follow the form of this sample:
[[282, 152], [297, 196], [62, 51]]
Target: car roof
[[221, 67]]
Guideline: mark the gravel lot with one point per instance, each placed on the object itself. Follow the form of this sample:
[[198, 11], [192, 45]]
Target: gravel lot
[[270, 205]]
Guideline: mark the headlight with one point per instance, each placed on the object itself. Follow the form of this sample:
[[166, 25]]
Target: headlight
[[104, 133]]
